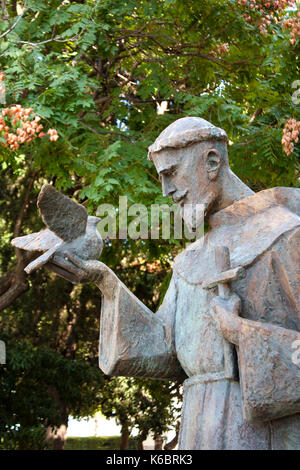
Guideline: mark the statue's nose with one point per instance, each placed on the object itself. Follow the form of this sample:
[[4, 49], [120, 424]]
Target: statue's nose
[[168, 187]]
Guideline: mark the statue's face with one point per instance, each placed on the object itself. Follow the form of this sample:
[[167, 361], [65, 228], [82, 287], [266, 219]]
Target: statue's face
[[189, 176]]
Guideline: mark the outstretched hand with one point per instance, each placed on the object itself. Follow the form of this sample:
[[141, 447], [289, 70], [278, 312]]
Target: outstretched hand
[[88, 270], [78, 271], [75, 269]]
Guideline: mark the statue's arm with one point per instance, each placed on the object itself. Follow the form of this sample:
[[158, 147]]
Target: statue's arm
[[134, 341], [280, 293]]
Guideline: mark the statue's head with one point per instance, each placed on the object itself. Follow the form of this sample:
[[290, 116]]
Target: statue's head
[[190, 157]]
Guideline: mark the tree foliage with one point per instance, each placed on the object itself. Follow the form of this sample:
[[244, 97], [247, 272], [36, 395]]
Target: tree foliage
[[109, 76]]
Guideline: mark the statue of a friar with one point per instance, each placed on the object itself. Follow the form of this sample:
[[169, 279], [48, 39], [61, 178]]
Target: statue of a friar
[[230, 321]]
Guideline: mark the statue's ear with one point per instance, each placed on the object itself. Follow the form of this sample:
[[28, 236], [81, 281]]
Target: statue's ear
[[212, 163]]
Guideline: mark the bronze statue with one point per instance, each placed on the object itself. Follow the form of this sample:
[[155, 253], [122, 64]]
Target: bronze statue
[[231, 314]]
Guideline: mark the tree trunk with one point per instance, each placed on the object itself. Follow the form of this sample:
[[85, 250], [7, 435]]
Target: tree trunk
[[14, 284], [124, 441], [96, 418], [56, 437], [158, 442], [173, 443], [140, 443]]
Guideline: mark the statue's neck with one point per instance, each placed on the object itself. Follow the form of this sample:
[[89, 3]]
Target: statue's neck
[[233, 190]]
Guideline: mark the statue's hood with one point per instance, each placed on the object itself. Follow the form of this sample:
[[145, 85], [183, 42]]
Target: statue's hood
[[248, 228]]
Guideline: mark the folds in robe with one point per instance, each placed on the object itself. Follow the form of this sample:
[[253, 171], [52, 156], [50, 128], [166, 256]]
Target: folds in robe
[[270, 375], [134, 341]]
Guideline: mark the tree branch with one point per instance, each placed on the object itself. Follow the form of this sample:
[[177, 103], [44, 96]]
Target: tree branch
[[14, 25], [14, 283], [57, 39], [104, 131], [17, 289]]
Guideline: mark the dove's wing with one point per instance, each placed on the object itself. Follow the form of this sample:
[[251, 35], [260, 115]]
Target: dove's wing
[[66, 218], [40, 241]]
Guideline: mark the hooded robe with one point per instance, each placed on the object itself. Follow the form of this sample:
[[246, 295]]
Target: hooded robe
[[260, 409]]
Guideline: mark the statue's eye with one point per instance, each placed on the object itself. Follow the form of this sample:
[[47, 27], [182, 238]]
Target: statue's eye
[[167, 173], [170, 172]]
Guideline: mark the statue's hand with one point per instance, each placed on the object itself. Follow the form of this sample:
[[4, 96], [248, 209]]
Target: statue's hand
[[227, 306], [88, 270], [77, 270], [227, 312]]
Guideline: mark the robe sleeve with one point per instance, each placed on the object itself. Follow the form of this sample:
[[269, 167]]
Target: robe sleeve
[[134, 341]]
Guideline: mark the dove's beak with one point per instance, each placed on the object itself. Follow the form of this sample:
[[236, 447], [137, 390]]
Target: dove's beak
[[94, 220]]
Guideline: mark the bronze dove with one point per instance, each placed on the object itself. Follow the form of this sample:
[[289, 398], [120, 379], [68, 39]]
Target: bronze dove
[[69, 231]]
